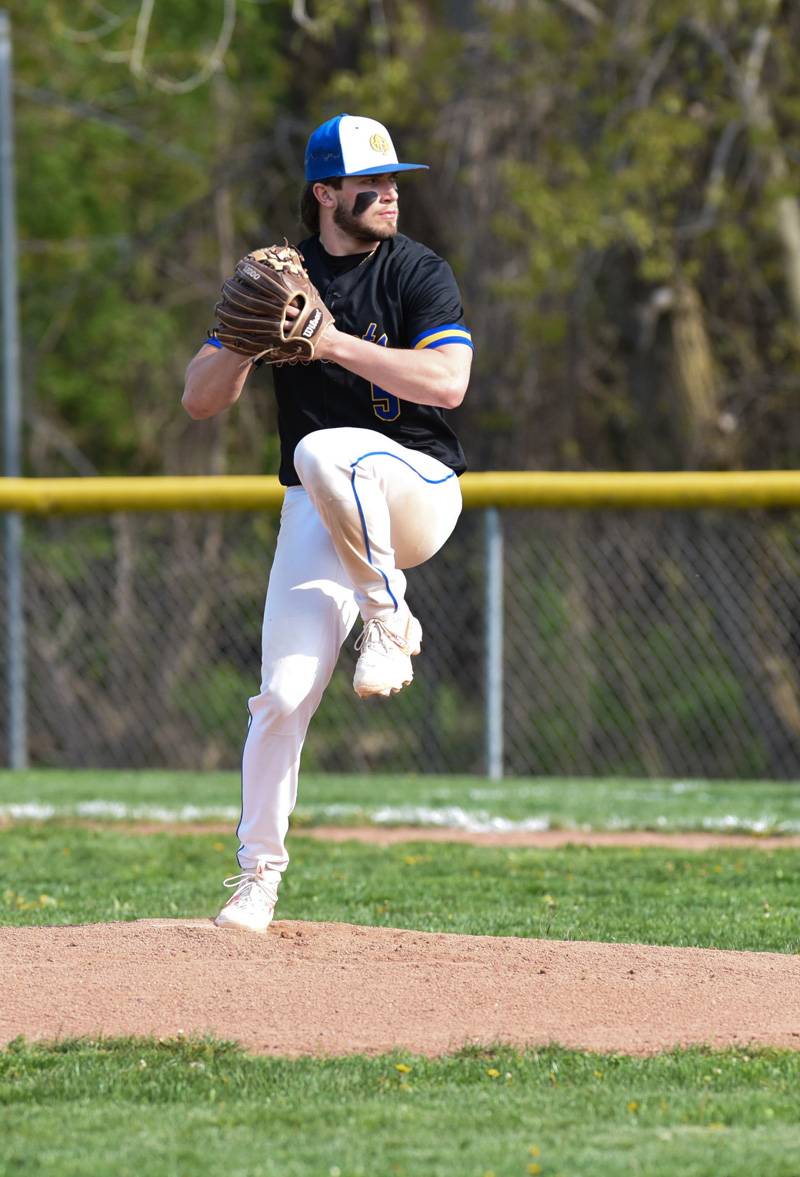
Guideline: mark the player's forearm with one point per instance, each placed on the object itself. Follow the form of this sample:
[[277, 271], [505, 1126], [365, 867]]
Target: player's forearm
[[423, 377], [214, 381]]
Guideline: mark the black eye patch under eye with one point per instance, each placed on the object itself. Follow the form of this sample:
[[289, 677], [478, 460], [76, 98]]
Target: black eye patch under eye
[[363, 202]]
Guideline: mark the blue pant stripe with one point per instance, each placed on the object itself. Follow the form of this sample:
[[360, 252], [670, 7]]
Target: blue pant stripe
[[386, 454], [241, 785], [366, 538], [353, 466]]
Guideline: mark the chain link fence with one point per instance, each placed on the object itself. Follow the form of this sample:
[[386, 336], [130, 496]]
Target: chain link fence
[[635, 643]]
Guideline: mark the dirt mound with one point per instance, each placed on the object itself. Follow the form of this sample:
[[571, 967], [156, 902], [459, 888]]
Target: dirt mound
[[328, 989], [376, 835], [552, 839]]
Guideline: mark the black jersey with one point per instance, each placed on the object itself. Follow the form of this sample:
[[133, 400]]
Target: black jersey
[[403, 295]]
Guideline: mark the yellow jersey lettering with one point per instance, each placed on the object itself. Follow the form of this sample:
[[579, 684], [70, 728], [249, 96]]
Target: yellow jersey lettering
[[385, 405]]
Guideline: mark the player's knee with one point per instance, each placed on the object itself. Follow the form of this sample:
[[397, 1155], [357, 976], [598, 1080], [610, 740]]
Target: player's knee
[[319, 460], [312, 459], [275, 712], [285, 702]]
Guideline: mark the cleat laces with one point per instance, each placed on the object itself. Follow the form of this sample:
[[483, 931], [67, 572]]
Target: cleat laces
[[251, 889], [376, 634]]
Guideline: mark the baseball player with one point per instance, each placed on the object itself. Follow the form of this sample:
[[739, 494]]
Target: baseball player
[[369, 462]]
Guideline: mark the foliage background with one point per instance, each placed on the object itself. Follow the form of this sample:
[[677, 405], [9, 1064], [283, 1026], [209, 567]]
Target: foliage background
[[613, 180]]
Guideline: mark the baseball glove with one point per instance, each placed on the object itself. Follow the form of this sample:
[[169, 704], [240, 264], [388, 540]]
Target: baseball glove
[[252, 314]]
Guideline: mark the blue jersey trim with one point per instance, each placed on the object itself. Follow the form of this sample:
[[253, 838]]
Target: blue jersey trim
[[457, 327], [213, 341], [450, 339]]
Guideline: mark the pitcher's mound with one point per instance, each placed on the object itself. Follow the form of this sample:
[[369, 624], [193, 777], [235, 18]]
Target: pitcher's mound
[[306, 988]]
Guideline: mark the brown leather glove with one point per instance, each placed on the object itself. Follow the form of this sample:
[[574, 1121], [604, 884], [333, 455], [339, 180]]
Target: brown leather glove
[[252, 313]]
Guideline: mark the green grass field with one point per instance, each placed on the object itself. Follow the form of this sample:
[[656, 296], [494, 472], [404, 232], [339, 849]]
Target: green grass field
[[114, 1109], [473, 802], [181, 1108], [61, 873]]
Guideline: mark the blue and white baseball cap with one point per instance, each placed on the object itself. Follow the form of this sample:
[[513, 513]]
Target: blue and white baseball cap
[[349, 145]]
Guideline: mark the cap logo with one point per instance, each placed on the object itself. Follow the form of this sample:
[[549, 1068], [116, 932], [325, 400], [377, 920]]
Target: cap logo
[[378, 143]]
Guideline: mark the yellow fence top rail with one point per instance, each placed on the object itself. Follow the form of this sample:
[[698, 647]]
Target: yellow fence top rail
[[741, 488]]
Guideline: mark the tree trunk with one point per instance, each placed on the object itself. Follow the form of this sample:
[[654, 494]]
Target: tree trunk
[[695, 380]]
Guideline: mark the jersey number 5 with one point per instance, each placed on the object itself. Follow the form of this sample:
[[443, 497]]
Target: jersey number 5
[[384, 404]]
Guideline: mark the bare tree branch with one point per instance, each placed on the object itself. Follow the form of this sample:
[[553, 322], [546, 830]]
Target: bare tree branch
[[586, 9], [717, 43], [655, 68], [211, 65], [714, 184], [111, 21], [114, 56], [301, 17], [380, 27], [751, 73], [140, 38], [757, 112]]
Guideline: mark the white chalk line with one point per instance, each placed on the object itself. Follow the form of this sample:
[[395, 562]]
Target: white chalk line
[[448, 817]]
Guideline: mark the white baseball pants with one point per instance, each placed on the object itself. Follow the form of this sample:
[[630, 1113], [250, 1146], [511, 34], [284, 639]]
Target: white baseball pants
[[367, 508]]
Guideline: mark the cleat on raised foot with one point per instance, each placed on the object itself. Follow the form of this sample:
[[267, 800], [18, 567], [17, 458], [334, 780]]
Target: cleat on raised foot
[[384, 664], [252, 904]]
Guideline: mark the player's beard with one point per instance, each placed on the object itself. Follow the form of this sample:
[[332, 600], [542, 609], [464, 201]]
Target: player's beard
[[357, 228]]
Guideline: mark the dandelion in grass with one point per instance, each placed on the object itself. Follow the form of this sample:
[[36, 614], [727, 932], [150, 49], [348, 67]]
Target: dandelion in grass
[[633, 1107], [403, 1068], [493, 1073]]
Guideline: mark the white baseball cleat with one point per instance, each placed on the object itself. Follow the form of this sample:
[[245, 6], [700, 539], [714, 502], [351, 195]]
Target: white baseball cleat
[[384, 664], [253, 902]]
